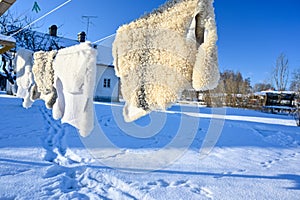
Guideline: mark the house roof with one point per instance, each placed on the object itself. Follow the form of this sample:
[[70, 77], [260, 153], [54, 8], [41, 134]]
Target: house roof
[[7, 39], [4, 5], [105, 52], [48, 40], [44, 41], [262, 93]]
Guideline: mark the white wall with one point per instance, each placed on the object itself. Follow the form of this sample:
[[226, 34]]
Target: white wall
[[106, 94]]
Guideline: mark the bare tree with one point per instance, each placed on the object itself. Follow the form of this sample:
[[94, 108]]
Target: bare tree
[[295, 83], [231, 91], [26, 38], [281, 72], [258, 87]]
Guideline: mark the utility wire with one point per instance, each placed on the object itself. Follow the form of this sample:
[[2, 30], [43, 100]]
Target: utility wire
[[100, 40]]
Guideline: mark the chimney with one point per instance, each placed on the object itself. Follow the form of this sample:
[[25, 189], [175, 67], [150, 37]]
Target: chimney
[[81, 36], [53, 30]]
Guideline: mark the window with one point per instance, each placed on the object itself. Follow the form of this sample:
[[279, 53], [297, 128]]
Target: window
[[106, 83]]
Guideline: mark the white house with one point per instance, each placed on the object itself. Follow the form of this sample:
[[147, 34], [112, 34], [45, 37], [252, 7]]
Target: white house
[[108, 83], [107, 88]]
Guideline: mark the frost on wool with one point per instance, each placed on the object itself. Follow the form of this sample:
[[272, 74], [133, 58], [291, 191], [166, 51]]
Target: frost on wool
[[75, 79], [25, 81], [161, 54], [206, 71], [44, 77]]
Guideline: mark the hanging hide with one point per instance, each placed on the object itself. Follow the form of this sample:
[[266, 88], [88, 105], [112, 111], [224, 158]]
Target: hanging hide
[[44, 77], [75, 77], [161, 54], [24, 75]]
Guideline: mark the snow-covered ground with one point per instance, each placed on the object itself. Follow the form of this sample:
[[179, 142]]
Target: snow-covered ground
[[160, 157]]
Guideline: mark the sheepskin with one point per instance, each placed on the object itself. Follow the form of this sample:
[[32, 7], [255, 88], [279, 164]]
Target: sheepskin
[[24, 76], [75, 77], [161, 54], [44, 77]]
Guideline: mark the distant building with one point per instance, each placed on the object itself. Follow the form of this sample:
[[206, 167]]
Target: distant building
[[278, 101]]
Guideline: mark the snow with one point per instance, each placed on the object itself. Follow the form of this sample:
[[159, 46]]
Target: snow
[[274, 92], [7, 38], [256, 156]]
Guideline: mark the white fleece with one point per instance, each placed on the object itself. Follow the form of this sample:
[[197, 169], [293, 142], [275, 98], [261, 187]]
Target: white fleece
[[44, 77], [206, 71], [75, 77], [157, 56], [23, 63]]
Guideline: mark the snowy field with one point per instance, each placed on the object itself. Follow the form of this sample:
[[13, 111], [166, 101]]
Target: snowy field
[[257, 155]]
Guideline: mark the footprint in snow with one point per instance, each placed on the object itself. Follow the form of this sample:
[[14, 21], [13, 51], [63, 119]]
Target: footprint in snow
[[193, 187], [224, 174], [206, 192], [269, 163], [180, 183], [163, 183]]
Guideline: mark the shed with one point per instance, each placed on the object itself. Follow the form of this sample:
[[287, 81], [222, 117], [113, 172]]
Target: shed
[[279, 101]]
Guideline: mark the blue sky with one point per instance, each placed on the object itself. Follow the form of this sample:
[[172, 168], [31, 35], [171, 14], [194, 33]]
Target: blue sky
[[252, 33]]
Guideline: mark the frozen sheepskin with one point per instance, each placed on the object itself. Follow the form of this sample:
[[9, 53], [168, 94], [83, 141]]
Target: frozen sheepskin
[[25, 81], [44, 77], [75, 77], [165, 52], [206, 73]]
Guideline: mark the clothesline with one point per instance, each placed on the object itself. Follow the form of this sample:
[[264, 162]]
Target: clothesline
[[50, 12], [102, 39], [152, 78], [65, 79], [45, 15]]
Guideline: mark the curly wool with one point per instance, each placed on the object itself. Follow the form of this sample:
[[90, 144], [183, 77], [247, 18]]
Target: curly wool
[[44, 77], [206, 71], [156, 56]]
